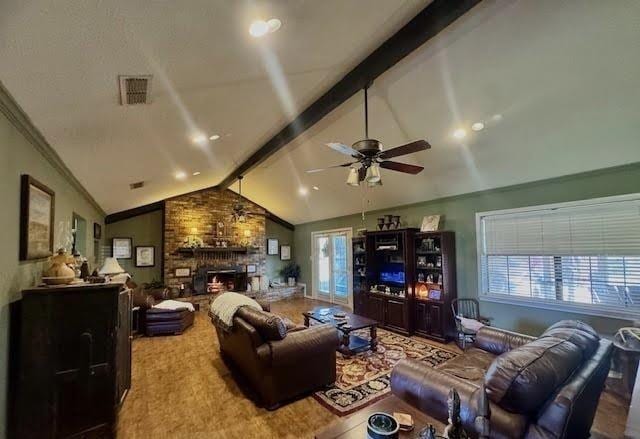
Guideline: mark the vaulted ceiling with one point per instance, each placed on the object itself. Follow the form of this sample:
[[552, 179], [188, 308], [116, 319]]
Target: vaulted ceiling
[[555, 84]]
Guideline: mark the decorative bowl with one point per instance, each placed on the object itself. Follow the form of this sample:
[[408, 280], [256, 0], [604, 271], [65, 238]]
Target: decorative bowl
[[382, 426], [58, 280]]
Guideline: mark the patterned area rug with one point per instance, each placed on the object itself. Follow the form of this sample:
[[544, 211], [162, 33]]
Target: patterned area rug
[[365, 378]]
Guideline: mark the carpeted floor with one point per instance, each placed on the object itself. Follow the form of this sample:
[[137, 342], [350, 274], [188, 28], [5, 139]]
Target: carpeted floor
[[182, 389]]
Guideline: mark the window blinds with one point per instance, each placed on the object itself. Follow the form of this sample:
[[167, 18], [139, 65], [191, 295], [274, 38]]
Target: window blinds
[[583, 257]]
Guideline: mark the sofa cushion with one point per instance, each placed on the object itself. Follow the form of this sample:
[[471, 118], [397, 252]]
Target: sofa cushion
[[522, 379], [578, 333], [269, 326]]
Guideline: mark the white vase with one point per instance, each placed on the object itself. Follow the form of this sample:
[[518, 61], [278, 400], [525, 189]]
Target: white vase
[[255, 284], [292, 281]]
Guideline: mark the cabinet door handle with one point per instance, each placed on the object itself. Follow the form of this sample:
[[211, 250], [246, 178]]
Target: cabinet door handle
[[89, 341]]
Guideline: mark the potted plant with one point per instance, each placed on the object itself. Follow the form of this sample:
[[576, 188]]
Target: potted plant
[[291, 272]]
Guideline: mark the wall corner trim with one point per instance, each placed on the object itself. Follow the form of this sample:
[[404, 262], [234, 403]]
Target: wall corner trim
[[16, 115]]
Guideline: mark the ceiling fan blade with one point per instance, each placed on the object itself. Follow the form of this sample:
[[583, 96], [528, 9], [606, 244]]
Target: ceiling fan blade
[[344, 165], [409, 148], [344, 149], [401, 167]]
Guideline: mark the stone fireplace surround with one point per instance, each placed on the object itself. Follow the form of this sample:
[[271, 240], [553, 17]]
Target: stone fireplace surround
[[202, 210]]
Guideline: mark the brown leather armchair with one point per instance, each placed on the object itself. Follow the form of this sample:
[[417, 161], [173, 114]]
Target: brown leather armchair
[[156, 321], [280, 360], [546, 387]]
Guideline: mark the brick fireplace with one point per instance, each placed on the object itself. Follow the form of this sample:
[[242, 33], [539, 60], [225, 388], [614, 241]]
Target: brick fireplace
[[199, 215]]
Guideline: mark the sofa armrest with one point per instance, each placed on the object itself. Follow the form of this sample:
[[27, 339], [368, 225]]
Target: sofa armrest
[[427, 388], [498, 341], [300, 345]]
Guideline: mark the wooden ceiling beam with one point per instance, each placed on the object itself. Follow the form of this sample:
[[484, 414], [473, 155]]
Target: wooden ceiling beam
[[427, 24]]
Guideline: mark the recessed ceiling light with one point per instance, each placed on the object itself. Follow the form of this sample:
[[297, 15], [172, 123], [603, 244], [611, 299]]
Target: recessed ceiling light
[[459, 134], [180, 175], [214, 137], [316, 188], [303, 191], [496, 117], [478, 126], [259, 28], [199, 139], [196, 173]]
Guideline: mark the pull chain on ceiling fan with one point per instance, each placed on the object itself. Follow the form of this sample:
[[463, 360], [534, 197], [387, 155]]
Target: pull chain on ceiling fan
[[370, 156]]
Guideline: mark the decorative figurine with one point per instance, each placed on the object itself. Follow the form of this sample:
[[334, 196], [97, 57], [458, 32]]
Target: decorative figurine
[[454, 430]]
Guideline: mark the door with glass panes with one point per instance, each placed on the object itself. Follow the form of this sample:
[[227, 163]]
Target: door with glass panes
[[331, 266]]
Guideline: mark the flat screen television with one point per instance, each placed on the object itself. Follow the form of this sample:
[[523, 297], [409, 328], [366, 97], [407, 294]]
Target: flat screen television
[[392, 273]]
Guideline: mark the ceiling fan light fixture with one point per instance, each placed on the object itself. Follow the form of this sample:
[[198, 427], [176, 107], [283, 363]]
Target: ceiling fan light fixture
[[373, 173], [353, 178], [374, 184]]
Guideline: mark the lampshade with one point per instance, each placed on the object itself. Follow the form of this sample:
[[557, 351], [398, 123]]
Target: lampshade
[[110, 266], [373, 173], [353, 178], [374, 183]]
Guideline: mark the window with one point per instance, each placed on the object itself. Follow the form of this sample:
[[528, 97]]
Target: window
[[331, 268], [580, 257]]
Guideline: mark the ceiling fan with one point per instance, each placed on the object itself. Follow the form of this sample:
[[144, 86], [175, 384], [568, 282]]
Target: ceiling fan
[[239, 211], [370, 156]]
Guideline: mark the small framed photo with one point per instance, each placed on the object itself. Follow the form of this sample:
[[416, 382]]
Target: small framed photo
[[182, 272], [121, 248], [145, 256], [435, 294], [37, 204], [285, 252], [97, 231], [251, 268], [272, 246], [430, 223]]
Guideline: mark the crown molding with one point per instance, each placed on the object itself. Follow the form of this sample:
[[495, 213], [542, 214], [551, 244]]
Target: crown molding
[[16, 115]]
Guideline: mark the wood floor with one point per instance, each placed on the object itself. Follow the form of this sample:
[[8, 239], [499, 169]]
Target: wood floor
[[182, 389]]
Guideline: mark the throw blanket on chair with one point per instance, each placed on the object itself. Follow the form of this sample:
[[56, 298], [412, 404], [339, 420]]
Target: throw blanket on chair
[[224, 307]]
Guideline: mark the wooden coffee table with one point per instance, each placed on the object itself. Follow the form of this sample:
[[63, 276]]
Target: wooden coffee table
[[355, 426], [350, 343]]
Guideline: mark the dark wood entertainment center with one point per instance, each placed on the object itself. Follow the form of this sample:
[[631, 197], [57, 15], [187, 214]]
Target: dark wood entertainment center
[[406, 279]]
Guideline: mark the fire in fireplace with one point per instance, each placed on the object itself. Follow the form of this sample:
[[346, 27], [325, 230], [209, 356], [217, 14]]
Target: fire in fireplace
[[212, 280]]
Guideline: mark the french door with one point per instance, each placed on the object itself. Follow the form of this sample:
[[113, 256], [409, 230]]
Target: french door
[[331, 260]]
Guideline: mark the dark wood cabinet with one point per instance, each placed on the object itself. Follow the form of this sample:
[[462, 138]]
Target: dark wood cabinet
[[70, 360], [418, 300]]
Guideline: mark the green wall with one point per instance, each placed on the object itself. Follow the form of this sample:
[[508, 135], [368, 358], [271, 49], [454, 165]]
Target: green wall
[[459, 216], [20, 155], [284, 237], [145, 230]]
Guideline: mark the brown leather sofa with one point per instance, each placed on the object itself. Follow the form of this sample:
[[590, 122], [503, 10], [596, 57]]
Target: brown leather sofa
[[546, 387], [156, 321], [279, 359]]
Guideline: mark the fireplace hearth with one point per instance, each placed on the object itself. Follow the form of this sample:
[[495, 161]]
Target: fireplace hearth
[[213, 280]]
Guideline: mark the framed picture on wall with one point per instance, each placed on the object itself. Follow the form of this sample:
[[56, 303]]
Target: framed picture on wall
[[251, 268], [182, 272], [97, 231], [37, 204], [272, 246], [145, 256], [285, 252], [121, 248]]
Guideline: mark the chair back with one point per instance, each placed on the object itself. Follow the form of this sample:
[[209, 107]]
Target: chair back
[[467, 308]]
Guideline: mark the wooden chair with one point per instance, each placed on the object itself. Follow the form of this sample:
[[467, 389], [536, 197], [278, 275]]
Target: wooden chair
[[469, 309]]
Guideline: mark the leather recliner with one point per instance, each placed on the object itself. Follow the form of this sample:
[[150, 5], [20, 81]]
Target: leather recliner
[[546, 387], [279, 359]]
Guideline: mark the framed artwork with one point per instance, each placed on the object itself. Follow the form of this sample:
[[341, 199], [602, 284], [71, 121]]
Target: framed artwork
[[37, 204], [121, 248], [430, 223], [97, 231], [145, 256], [435, 294], [251, 268], [182, 272], [285, 252], [272, 246]]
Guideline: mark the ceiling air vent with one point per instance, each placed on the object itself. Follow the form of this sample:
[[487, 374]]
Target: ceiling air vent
[[134, 89], [136, 185]]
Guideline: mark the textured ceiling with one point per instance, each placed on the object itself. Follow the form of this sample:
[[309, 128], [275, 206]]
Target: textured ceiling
[[60, 60], [561, 75]]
